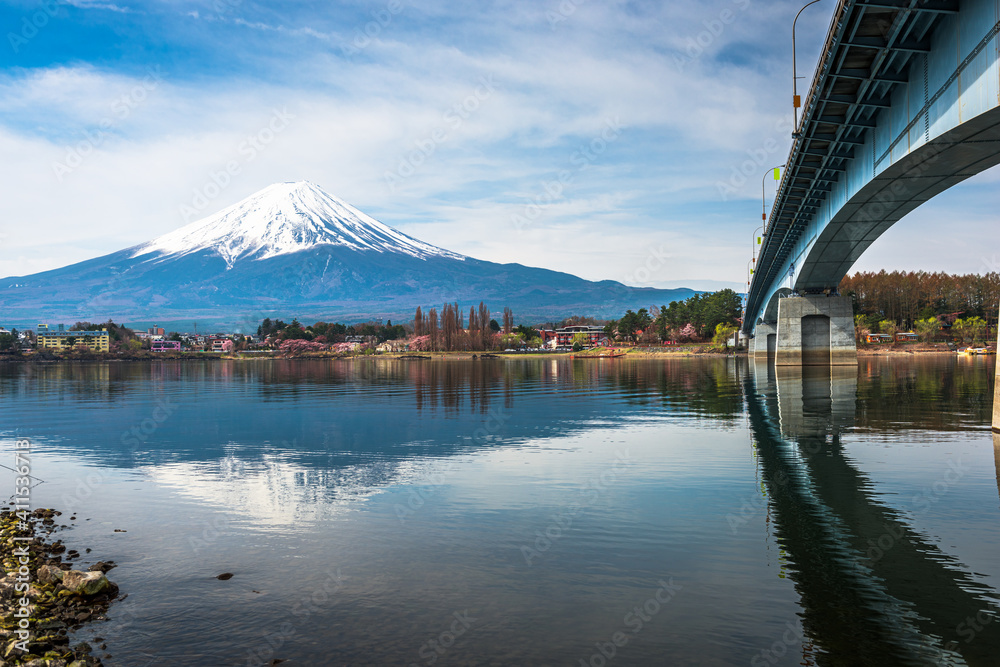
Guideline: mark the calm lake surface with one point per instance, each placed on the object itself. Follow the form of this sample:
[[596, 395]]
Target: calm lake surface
[[528, 511]]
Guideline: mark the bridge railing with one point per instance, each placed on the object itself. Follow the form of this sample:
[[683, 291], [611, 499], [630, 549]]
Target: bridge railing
[[760, 275]]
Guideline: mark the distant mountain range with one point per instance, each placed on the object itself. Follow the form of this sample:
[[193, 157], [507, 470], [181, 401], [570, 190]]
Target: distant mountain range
[[293, 250]]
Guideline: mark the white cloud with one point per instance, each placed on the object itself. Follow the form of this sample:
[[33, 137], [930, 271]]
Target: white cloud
[[686, 127], [90, 4]]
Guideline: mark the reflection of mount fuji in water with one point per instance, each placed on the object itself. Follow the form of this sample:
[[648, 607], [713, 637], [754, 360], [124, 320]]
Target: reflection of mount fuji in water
[[874, 590], [281, 438], [315, 409], [293, 249], [314, 412]]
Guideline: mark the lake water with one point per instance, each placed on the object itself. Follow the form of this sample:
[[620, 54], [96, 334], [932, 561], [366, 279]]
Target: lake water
[[527, 511]]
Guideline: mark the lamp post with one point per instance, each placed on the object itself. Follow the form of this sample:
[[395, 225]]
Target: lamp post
[[756, 243], [763, 202], [796, 101]]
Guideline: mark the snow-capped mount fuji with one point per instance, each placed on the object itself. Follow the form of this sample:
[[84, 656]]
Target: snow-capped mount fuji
[[293, 250], [286, 218]]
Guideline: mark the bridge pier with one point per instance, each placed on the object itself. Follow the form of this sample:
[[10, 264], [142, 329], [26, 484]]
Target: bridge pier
[[996, 397], [996, 455], [765, 342], [815, 330]]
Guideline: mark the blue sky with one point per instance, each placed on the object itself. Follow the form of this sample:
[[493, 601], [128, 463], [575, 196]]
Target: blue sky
[[576, 135]]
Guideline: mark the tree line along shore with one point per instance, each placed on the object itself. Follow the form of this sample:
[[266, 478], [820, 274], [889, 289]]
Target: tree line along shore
[[942, 310]]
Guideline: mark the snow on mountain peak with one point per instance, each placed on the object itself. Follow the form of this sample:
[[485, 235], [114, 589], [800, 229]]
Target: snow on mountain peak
[[285, 218]]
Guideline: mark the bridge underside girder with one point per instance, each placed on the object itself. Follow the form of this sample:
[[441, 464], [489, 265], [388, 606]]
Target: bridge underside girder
[[914, 179]]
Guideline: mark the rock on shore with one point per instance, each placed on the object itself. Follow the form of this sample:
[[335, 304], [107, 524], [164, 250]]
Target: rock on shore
[[61, 599]]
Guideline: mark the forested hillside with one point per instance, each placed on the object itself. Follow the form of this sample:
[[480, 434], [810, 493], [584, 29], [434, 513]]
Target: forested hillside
[[904, 298]]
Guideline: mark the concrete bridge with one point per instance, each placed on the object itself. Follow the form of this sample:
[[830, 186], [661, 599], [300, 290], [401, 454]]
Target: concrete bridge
[[904, 104]]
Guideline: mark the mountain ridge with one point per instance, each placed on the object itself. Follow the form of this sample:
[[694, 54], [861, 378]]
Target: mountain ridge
[[294, 250]]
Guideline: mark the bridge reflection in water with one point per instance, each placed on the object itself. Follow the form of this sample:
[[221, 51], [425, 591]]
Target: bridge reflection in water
[[873, 589]]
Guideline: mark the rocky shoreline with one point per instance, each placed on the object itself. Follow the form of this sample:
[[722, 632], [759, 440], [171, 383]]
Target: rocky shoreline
[[59, 598]]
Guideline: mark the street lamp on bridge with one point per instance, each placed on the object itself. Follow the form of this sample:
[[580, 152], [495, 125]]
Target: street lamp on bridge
[[796, 100], [763, 203], [756, 242]]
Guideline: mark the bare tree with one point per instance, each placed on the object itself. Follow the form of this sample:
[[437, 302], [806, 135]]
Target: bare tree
[[448, 326], [418, 323], [432, 327], [485, 333], [508, 320]]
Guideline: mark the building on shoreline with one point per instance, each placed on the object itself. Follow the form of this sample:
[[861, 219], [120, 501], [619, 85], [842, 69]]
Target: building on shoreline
[[98, 341], [564, 336]]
